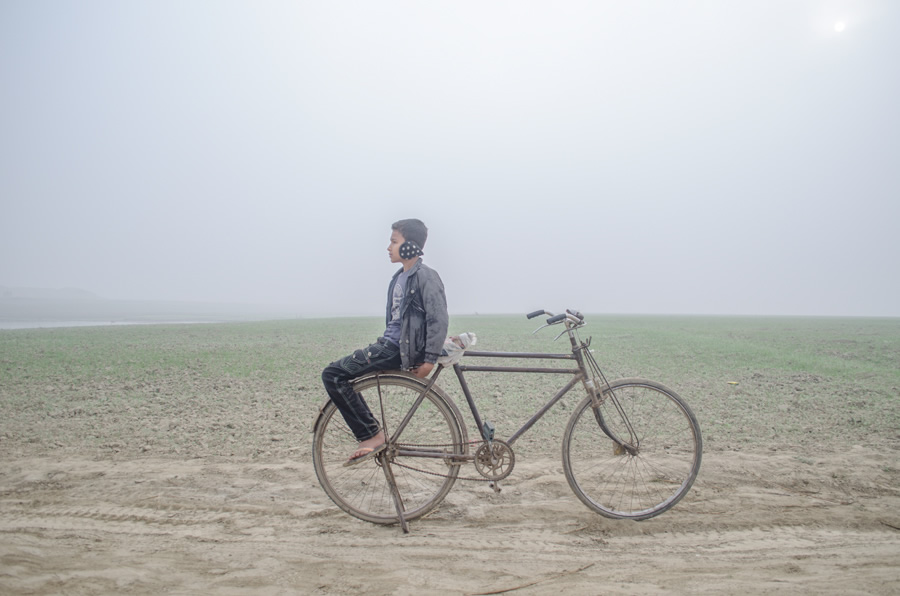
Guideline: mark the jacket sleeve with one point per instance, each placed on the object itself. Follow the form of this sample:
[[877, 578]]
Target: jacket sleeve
[[436, 318]]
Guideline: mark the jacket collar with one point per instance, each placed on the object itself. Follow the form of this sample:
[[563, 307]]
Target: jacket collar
[[412, 269]]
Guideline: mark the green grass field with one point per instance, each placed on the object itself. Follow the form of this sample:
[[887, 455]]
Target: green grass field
[[253, 389]]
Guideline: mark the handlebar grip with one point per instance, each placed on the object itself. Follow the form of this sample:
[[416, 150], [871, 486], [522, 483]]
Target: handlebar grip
[[534, 314], [556, 319]]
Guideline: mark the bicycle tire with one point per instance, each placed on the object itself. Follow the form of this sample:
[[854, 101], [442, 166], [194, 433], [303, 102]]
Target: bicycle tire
[[648, 480], [362, 489]]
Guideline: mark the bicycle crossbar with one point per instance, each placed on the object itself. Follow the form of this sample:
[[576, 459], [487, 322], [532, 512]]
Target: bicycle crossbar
[[524, 369], [539, 355]]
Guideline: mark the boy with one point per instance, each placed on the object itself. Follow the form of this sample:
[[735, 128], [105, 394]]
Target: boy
[[417, 323]]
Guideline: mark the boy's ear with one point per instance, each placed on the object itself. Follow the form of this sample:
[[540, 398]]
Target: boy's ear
[[410, 249]]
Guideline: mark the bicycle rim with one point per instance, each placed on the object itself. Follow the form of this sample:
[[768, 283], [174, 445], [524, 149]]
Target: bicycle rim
[[639, 485], [362, 490]]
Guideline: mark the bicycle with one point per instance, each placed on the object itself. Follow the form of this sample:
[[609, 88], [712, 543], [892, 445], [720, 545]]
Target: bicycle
[[631, 449]]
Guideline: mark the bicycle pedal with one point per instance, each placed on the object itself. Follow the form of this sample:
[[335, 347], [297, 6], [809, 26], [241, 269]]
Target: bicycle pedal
[[495, 486]]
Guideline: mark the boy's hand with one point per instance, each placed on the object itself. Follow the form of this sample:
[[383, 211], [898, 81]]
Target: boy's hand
[[423, 370]]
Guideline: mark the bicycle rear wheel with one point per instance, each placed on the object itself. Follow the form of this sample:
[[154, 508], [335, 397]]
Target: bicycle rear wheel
[[660, 459], [362, 490]]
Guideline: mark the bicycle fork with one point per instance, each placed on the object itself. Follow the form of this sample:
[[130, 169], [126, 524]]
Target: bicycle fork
[[630, 447]]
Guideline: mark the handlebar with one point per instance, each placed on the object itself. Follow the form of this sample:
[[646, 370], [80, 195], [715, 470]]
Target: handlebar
[[573, 316]]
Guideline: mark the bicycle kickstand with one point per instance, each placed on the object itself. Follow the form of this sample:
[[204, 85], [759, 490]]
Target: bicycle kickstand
[[395, 492]]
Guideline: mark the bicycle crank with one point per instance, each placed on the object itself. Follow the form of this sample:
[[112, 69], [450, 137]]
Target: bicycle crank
[[495, 460]]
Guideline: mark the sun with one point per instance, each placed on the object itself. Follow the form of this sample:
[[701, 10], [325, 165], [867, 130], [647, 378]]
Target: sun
[[840, 26]]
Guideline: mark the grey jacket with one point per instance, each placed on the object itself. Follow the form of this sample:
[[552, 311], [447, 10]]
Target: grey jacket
[[423, 316]]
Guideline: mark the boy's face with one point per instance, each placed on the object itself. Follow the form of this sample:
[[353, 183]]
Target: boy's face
[[394, 247]]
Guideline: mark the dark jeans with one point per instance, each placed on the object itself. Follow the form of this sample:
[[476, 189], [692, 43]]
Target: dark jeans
[[382, 355]]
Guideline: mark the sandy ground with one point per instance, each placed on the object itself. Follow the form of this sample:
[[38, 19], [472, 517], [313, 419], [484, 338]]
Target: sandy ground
[[759, 522]]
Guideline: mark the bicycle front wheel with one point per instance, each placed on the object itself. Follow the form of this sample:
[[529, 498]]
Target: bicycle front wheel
[[362, 490], [658, 459]]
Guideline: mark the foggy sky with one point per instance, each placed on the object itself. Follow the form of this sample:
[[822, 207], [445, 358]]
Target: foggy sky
[[616, 157]]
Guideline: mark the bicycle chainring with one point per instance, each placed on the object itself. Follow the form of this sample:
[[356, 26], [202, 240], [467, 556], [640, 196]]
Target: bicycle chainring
[[495, 460]]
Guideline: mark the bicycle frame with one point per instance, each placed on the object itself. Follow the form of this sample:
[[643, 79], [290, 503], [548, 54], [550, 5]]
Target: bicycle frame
[[578, 374]]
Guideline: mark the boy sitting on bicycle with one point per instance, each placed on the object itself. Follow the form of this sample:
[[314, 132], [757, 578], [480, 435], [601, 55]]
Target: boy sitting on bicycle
[[416, 326]]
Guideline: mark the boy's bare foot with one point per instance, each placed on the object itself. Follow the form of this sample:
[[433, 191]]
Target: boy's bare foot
[[367, 448]]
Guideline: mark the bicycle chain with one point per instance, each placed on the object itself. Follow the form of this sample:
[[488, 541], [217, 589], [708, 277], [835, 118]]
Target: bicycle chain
[[430, 473]]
